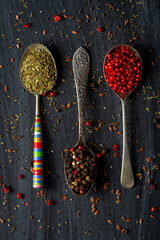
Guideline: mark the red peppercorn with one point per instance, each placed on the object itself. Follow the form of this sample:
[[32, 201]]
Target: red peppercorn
[[139, 64], [109, 55], [49, 202], [20, 176], [99, 155], [88, 123], [6, 190], [94, 164], [19, 195], [75, 172], [27, 25], [52, 94], [64, 197], [115, 147], [152, 186], [153, 209], [122, 69], [57, 18], [80, 147], [72, 149], [77, 159], [99, 29], [81, 192], [44, 94]]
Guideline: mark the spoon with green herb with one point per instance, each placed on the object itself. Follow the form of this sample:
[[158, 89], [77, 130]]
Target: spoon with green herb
[[38, 75]]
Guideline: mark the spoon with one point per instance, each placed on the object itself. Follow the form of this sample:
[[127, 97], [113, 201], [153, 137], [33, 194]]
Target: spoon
[[81, 63], [38, 179], [127, 177]]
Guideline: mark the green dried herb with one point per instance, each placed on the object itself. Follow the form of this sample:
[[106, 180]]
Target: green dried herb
[[38, 71]]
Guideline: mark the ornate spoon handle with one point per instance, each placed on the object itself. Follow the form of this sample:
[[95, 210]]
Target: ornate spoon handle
[[81, 70]]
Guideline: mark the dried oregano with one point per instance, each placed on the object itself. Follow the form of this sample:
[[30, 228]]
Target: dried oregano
[[38, 71]]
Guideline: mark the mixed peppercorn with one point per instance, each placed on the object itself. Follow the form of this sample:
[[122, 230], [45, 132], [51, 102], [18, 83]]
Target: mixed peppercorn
[[80, 169]]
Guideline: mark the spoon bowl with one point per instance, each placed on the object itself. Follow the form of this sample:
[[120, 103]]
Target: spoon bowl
[[127, 177], [65, 173], [122, 95], [31, 47]]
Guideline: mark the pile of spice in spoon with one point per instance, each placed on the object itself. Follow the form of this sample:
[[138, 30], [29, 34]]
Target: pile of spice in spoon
[[80, 169], [38, 71], [123, 69]]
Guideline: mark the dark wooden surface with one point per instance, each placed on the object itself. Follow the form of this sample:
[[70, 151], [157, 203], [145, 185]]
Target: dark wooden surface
[[71, 219]]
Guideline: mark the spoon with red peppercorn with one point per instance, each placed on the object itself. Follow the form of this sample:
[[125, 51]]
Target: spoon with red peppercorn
[[80, 163], [122, 71], [38, 75]]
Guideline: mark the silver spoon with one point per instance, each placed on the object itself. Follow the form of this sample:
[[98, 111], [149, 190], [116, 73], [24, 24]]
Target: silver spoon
[[81, 70], [127, 177], [38, 179]]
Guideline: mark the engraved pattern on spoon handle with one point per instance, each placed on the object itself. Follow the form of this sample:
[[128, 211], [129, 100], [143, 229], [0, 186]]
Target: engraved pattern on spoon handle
[[127, 177], [81, 64]]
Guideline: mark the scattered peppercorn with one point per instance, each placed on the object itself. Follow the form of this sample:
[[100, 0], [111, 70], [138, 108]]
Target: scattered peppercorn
[[89, 123], [6, 190], [153, 209], [19, 195], [64, 197], [49, 202], [27, 25], [115, 147], [20, 176], [52, 94], [57, 18], [99, 29], [152, 186]]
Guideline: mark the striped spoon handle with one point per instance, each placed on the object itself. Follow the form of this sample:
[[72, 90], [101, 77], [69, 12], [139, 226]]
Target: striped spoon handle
[[38, 179]]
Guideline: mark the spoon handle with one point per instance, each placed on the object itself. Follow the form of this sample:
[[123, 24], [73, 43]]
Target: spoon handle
[[127, 178], [81, 70], [38, 180]]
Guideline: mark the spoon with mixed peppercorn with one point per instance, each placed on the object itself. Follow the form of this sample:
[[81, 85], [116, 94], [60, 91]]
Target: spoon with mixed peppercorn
[[122, 71], [80, 163], [38, 75]]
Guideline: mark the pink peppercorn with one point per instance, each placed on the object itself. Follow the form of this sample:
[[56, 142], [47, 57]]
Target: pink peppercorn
[[6, 190], [153, 209], [19, 195], [99, 29], [99, 155], [88, 123], [80, 147], [49, 202], [57, 18], [152, 186], [27, 25]]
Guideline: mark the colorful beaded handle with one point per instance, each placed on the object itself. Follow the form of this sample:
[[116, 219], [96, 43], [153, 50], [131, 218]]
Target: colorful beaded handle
[[38, 179]]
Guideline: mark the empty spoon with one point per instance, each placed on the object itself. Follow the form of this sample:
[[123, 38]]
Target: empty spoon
[[122, 70], [80, 163], [38, 64]]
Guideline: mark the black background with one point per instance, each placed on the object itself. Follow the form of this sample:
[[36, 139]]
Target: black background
[[71, 218]]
